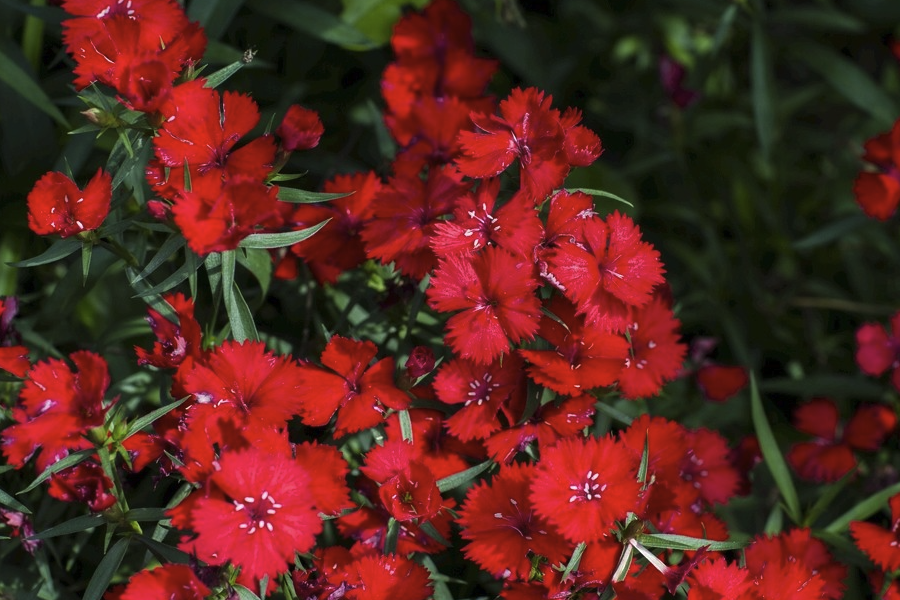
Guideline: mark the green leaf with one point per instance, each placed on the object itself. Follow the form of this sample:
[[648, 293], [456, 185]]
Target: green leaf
[[406, 430], [832, 232], [296, 196], [106, 570], [174, 243], [87, 250], [191, 264], [684, 542], [216, 79], [152, 416], [168, 553], [81, 523], [601, 193], [64, 463], [441, 591], [280, 240], [146, 514], [864, 509], [574, 561], [59, 249], [308, 18], [20, 81], [429, 529], [772, 454], [245, 593], [214, 15], [259, 263], [390, 538], [762, 88], [848, 80], [14, 504], [458, 479], [826, 499], [239, 315], [376, 18], [645, 461]]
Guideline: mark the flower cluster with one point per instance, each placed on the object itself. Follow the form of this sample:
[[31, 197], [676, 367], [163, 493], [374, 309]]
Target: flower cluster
[[321, 470]]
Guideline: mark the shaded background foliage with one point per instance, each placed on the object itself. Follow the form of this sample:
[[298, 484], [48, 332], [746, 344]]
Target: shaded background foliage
[[746, 192]]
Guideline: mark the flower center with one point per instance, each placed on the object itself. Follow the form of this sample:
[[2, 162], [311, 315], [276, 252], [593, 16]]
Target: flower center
[[259, 512], [589, 490], [481, 389]]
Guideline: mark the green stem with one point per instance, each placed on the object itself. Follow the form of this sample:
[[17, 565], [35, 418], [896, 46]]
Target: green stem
[[121, 251], [33, 37]]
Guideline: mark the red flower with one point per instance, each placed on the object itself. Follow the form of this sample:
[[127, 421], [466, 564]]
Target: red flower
[[878, 193], [391, 577], [420, 362], [57, 407], [201, 129], [328, 474], [245, 381], [582, 145], [301, 129], [550, 423], [656, 353], [583, 486], [14, 359], [830, 456], [502, 529], [582, 358], [412, 494], [719, 383], [56, 205], [482, 390], [172, 582], [708, 468], [792, 562], [216, 216], [477, 223], [877, 350], [85, 483], [528, 130], [881, 545], [406, 212], [358, 393], [263, 514], [495, 292], [175, 342], [718, 580], [337, 247], [609, 271]]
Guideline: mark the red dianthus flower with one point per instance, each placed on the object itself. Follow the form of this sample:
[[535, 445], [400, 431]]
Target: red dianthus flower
[[56, 205], [583, 486], [495, 292]]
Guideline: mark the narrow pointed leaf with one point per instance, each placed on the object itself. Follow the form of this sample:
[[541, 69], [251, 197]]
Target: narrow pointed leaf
[[106, 570], [458, 479], [20, 81], [216, 79], [684, 542], [772, 454], [168, 248], [152, 416], [280, 240], [7, 500], [602, 194], [82, 523], [295, 196], [64, 463], [59, 249], [574, 561], [406, 430], [864, 509]]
